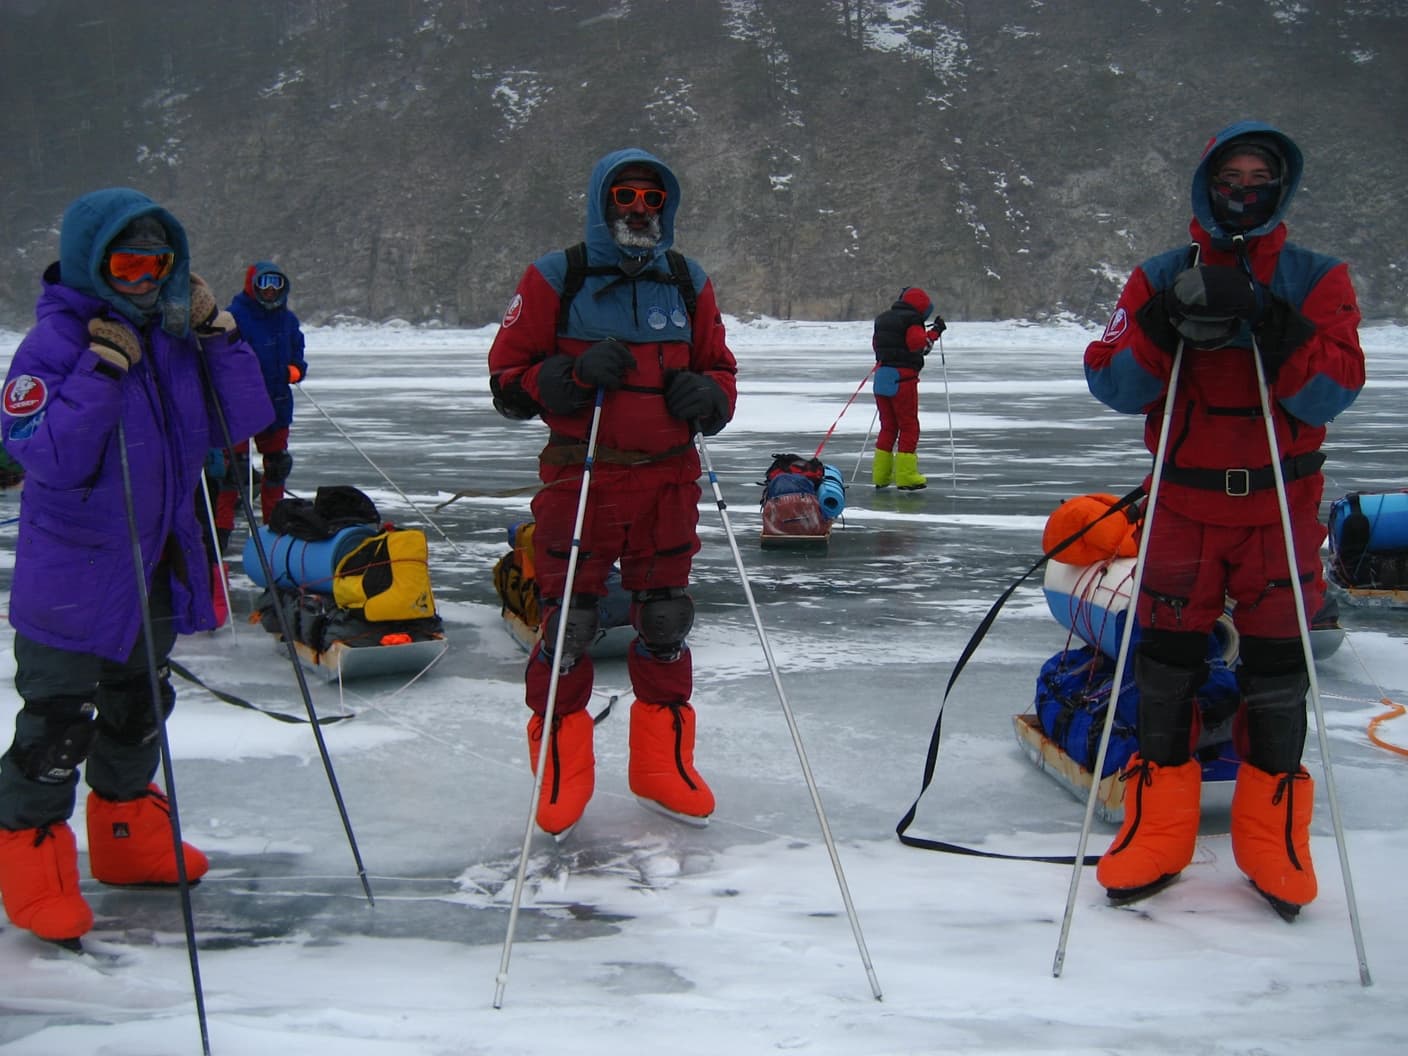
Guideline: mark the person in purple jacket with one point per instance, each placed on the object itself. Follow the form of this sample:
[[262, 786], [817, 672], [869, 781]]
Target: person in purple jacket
[[108, 406]]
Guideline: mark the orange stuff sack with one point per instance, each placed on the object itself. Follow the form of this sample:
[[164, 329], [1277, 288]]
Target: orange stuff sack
[[1115, 536]]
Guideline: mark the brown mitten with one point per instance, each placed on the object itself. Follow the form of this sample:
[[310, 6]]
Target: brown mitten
[[114, 343], [207, 318]]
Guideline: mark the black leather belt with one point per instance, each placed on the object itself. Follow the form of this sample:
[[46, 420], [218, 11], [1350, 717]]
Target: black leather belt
[[1239, 482]]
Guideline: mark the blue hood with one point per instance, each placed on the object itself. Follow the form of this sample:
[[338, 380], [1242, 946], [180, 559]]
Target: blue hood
[[1290, 178], [601, 247], [89, 226], [264, 267]]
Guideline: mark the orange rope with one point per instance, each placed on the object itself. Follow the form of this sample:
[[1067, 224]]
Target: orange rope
[[1394, 711]]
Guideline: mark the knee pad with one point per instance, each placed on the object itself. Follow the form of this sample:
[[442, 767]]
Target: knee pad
[[582, 623], [277, 466], [237, 469], [125, 713], [663, 618], [63, 744]]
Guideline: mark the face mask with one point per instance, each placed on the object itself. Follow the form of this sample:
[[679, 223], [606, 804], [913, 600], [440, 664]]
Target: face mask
[[1244, 208]]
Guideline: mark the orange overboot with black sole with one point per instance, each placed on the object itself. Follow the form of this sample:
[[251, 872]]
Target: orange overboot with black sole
[[661, 771], [1159, 833], [130, 841], [1271, 836], [39, 882], [570, 772]]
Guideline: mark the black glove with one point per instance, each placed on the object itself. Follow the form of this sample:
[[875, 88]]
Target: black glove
[[696, 398], [1280, 332], [558, 390], [937, 327], [604, 365], [1207, 304]]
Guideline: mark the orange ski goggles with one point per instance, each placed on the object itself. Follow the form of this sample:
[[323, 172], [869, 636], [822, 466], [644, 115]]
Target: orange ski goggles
[[132, 267]]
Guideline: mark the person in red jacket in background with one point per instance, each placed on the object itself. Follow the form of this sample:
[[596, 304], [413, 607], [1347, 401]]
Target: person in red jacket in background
[[1238, 290], [901, 341], [636, 323]]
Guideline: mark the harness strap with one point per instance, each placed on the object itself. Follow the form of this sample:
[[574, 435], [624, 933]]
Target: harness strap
[[1240, 482], [932, 757], [574, 453]]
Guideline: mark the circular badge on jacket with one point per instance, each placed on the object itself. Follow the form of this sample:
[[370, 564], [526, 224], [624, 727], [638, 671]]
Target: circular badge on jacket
[[25, 395]]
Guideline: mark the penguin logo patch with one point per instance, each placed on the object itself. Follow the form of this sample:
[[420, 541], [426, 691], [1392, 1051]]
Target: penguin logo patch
[[25, 395], [514, 310], [1119, 322]]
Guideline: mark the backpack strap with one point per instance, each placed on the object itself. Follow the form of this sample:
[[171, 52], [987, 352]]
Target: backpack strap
[[572, 281], [679, 274]]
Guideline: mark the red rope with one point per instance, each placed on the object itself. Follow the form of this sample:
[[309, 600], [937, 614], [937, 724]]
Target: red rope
[[817, 453]]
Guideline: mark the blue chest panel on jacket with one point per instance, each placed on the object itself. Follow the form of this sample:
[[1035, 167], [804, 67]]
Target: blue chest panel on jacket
[[641, 310]]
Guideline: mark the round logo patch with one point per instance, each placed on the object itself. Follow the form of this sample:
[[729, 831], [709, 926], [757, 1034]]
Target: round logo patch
[[679, 318], [655, 317], [1119, 322], [25, 395], [514, 310]]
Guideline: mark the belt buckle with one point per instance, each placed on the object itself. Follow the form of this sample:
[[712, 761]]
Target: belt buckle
[[1238, 482]]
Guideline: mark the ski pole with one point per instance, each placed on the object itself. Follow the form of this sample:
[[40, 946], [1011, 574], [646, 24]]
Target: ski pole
[[221, 580], [168, 773], [407, 499], [501, 980], [1304, 627], [817, 452], [864, 444], [791, 719], [286, 631], [952, 447], [1098, 767]]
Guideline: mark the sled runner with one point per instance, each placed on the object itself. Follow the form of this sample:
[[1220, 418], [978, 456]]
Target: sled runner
[[518, 600], [1368, 547], [801, 500], [354, 594]]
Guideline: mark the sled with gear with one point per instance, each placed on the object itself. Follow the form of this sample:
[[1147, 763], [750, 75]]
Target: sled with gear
[[1092, 602], [517, 588], [354, 593], [1368, 547], [802, 497]]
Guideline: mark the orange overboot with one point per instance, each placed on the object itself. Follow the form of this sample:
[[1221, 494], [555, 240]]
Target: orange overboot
[[130, 842], [1160, 830], [570, 778], [39, 882], [662, 770], [1271, 835]]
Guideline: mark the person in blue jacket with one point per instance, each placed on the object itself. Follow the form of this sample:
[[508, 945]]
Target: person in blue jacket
[[273, 331], [109, 404]]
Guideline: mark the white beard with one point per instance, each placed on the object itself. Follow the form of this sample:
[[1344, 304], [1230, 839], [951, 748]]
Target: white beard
[[647, 238]]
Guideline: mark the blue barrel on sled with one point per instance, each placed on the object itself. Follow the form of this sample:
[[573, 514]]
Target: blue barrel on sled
[[831, 492], [300, 564], [1386, 512]]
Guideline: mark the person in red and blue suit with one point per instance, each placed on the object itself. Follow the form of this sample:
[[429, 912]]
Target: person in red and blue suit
[[1216, 532], [666, 372]]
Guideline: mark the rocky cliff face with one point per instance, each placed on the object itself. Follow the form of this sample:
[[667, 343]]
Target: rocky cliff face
[[407, 160]]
